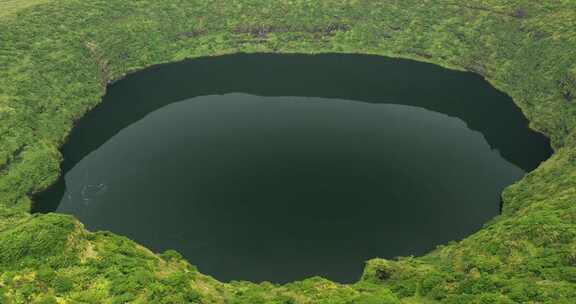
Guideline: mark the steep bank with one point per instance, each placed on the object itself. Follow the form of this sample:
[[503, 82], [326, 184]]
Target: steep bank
[[57, 57]]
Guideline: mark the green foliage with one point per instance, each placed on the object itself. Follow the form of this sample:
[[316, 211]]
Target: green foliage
[[46, 300], [62, 284], [39, 240], [381, 296], [56, 58], [170, 255]]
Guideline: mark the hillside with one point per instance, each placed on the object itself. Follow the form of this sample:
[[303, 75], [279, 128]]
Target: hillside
[[56, 58]]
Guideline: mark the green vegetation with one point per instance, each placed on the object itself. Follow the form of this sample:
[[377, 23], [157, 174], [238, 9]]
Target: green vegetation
[[56, 58]]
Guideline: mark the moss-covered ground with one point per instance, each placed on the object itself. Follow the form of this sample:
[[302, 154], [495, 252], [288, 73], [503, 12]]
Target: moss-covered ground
[[57, 56]]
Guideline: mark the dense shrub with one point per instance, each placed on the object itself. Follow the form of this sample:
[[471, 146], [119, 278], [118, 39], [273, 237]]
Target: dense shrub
[[52, 55]]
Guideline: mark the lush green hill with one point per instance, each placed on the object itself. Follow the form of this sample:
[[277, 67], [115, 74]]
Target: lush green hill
[[56, 57]]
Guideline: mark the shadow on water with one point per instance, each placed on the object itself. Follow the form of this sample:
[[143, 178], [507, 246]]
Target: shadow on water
[[370, 79]]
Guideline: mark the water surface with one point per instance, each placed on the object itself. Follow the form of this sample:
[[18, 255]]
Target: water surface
[[269, 167]]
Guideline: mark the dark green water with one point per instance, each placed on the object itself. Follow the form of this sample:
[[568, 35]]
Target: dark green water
[[281, 167]]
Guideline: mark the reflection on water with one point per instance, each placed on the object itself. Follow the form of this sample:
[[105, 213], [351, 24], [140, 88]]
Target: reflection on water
[[369, 157]]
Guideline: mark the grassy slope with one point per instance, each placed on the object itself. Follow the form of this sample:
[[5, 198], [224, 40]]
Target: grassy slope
[[11, 7], [55, 61]]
